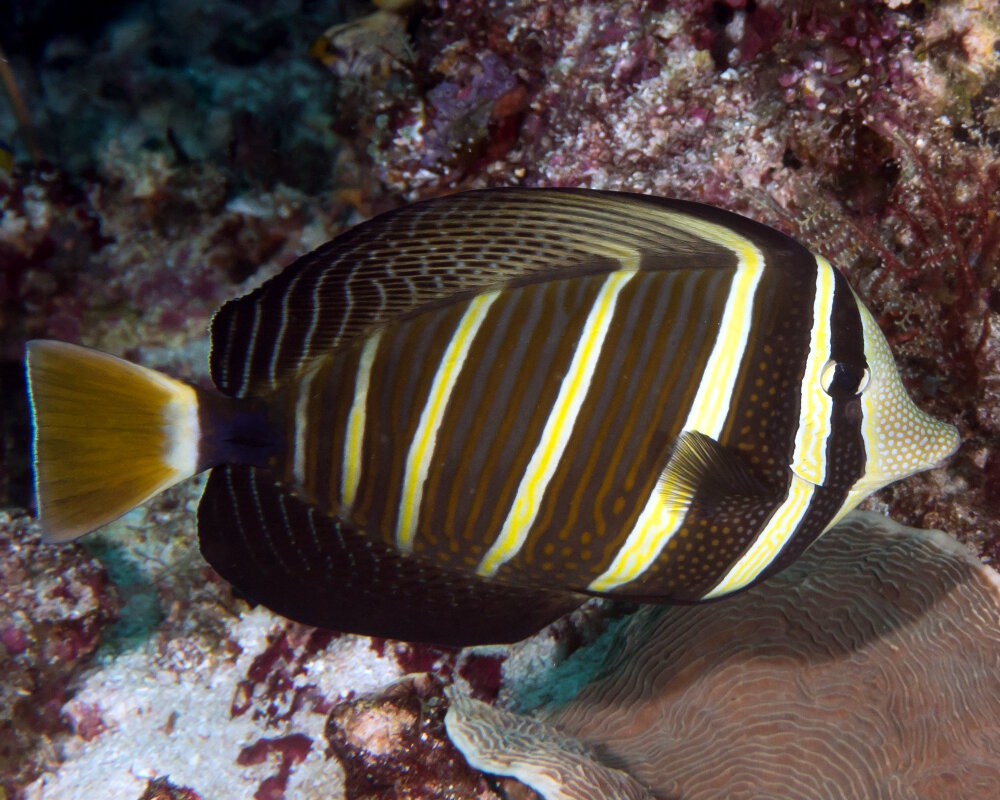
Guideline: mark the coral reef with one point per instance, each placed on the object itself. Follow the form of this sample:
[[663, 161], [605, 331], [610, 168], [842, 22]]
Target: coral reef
[[54, 604], [85, 257], [260, 695], [190, 152], [539, 755], [873, 660], [394, 744]]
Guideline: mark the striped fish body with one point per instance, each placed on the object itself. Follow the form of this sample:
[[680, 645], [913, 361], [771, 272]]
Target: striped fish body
[[456, 421], [522, 433]]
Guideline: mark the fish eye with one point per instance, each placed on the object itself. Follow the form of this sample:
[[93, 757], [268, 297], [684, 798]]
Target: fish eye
[[839, 378]]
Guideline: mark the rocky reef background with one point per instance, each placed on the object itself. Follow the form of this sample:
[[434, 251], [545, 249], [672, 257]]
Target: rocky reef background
[[159, 158]]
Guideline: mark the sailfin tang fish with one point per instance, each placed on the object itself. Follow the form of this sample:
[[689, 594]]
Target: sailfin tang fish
[[455, 422]]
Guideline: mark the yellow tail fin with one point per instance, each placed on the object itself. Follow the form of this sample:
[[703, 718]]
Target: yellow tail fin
[[108, 435]]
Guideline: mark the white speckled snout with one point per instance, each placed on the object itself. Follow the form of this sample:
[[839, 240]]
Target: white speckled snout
[[899, 437]]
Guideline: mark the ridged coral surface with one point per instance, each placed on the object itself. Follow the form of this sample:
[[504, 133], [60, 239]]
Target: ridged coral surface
[[557, 765], [871, 669]]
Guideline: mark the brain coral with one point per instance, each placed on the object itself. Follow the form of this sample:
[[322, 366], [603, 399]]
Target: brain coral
[[871, 668]]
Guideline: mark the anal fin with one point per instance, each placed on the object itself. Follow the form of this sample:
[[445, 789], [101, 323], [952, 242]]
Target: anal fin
[[319, 570]]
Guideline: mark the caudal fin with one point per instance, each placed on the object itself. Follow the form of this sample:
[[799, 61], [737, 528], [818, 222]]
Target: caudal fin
[[108, 435]]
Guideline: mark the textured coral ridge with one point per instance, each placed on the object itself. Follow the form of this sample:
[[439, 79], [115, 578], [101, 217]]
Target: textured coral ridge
[[558, 766], [871, 668]]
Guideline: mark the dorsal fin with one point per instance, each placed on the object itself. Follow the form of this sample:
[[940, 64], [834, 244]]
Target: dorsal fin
[[451, 247]]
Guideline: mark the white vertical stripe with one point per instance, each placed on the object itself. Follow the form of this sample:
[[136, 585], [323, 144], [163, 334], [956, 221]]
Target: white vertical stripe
[[816, 406], [418, 459], [303, 389], [245, 378], [314, 307], [303, 558], [227, 355], [354, 439], [779, 528], [182, 429], [276, 345], [658, 523], [265, 529], [809, 458], [558, 426]]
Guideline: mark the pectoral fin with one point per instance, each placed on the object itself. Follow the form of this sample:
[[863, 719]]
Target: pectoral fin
[[703, 472]]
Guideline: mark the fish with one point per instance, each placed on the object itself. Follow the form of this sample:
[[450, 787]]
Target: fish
[[465, 417]]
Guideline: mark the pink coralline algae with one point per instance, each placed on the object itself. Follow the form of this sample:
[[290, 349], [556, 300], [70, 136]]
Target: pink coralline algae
[[290, 750], [82, 256], [480, 671], [393, 744], [54, 604], [461, 114], [844, 58], [48, 227], [270, 690]]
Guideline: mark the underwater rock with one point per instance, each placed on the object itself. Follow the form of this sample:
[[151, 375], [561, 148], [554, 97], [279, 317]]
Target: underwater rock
[[163, 789], [393, 744], [870, 668], [54, 604], [242, 721]]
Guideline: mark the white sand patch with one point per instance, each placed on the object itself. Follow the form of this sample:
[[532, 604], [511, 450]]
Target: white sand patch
[[178, 725]]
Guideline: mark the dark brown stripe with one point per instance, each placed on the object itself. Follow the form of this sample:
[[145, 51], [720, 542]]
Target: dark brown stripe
[[767, 395], [845, 450], [461, 453], [760, 428], [533, 336], [444, 248], [402, 374], [331, 398], [627, 424]]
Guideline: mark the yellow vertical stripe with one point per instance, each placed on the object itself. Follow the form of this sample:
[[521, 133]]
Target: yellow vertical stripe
[[816, 407], [657, 524], [350, 473], [771, 539], [418, 458], [809, 458], [304, 390], [558, 426]]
